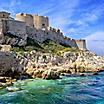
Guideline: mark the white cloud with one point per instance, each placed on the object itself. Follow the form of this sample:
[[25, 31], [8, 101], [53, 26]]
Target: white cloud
[[95, 42]]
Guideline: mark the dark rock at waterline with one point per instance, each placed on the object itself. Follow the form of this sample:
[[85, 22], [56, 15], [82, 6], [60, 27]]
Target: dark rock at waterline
[[82, 75], [50, 74], [2, 79], [95, 73]]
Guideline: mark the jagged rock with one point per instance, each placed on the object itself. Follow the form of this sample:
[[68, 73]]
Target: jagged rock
[[8, 64]]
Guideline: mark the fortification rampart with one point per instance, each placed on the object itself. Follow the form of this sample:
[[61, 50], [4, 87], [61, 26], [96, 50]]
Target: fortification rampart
[[36, 27], [15, 27]]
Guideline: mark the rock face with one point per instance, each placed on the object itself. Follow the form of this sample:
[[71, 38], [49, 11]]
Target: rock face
[[47, 66], [13, 40], [8, 64]]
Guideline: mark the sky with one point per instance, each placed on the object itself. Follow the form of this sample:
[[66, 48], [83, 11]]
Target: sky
[[79, 19]]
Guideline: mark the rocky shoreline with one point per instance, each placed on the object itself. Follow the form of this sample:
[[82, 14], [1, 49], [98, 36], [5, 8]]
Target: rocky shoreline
[[14, 66]]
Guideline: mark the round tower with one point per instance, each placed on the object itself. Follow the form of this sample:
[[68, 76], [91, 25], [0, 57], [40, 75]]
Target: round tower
[[41, 22], [27, 18]]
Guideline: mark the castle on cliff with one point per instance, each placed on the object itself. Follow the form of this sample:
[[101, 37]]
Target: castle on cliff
[[35, 27]]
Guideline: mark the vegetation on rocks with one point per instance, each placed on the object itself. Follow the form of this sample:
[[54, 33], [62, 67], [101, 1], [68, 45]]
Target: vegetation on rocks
[[47, 46], [55, 48]]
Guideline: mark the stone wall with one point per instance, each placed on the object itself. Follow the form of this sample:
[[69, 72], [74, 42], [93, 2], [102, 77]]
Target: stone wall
[[53, 34], [17, 28]]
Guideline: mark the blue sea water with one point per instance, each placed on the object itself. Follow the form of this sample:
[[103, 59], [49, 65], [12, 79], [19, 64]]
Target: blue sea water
[[68, 90]]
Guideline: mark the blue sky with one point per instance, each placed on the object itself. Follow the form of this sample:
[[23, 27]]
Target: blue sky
[[76, 18]]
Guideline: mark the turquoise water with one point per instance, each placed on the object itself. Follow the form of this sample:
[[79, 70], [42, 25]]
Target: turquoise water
[[68, 90]]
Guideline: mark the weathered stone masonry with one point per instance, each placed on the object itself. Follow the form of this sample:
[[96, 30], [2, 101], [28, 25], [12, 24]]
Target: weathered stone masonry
[[36, 27]]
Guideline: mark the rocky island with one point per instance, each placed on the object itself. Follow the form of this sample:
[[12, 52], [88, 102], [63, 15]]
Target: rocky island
[[31, 49]]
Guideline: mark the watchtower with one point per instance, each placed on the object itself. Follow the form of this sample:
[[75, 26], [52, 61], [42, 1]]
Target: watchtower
[[41, 22], [27, 18]]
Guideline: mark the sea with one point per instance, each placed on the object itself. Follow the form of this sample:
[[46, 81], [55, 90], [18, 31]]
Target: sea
[[67, 90]]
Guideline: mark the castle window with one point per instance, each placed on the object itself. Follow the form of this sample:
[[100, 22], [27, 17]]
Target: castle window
[[22, 14], [3, 15], [43, 25]]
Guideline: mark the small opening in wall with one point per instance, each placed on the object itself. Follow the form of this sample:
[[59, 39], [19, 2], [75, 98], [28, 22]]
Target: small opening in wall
[[3, 15], [22, 14], [43, 25]]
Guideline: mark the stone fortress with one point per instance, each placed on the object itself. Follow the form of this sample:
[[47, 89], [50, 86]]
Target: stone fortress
[[35, 27]]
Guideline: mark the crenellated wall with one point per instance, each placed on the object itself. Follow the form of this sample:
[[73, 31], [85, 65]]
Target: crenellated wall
[[53, 34]]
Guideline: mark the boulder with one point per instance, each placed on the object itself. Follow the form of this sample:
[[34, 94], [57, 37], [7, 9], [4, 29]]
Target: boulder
[[8, 64]]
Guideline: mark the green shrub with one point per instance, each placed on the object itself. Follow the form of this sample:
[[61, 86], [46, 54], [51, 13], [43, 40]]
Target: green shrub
[[32, 42]]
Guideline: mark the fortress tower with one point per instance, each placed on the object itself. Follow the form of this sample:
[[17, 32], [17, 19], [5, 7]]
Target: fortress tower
[[39, 22], [27, 18]]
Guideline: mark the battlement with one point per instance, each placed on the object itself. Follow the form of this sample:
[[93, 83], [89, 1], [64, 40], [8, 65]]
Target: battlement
[[40, 16], [24, 14]]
